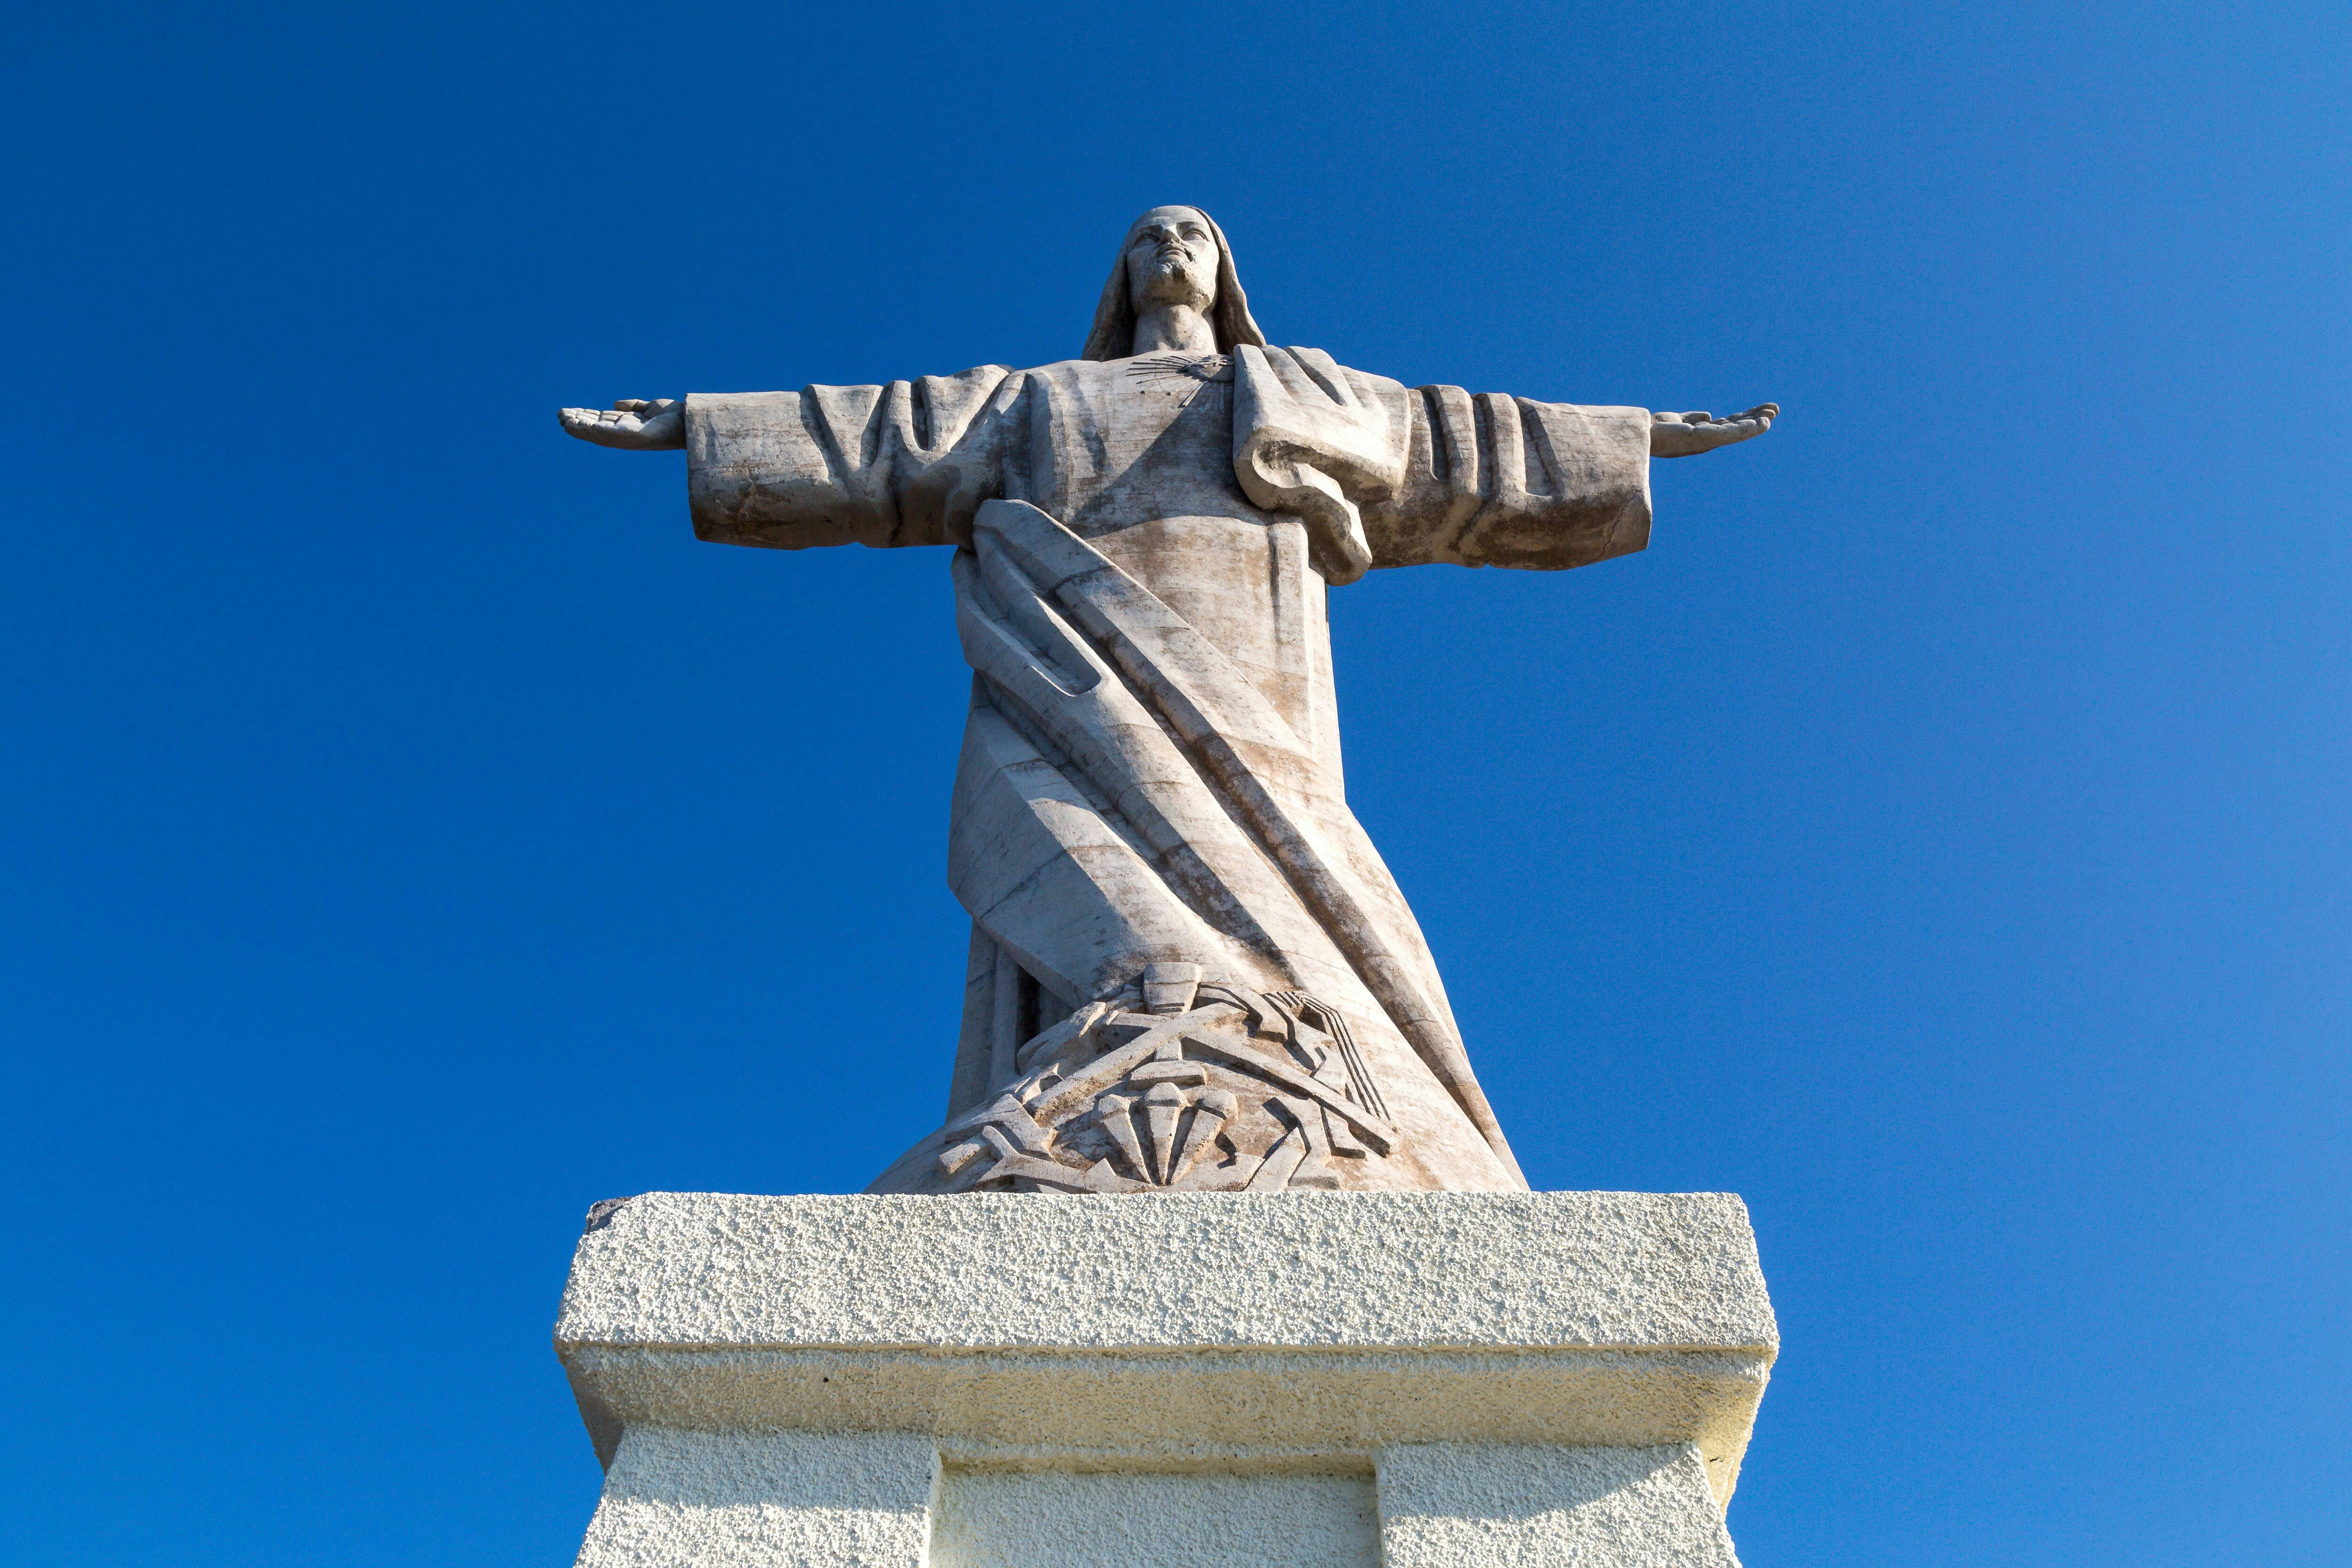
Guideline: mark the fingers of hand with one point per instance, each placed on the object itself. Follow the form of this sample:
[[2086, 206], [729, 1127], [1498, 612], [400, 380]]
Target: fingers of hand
[[603, 426]]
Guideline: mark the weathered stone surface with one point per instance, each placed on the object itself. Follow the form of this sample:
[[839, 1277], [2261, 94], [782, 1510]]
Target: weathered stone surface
[[1187, 1329], [1203, 1519], [1464, 1505], [1529, 1376], [713, 1498], [1150, 774], [986, 1271]]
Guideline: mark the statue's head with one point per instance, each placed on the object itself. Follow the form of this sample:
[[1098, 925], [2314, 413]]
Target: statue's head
[[1171, 256]]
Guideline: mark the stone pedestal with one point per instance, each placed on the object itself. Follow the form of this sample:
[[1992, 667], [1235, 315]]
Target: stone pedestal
[[1414, 1380]]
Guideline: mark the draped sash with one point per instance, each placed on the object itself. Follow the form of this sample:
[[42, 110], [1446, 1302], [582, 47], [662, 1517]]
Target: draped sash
[[1127, 795]]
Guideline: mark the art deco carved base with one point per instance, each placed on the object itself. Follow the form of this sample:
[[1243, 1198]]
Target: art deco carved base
[[1177, 1380], [1172, 1084]]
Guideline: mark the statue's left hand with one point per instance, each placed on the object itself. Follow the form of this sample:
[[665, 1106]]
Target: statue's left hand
[[1685, 435], [633, 424]]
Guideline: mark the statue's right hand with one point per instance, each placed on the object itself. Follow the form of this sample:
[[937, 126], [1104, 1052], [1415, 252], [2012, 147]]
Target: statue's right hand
[[633, 424]]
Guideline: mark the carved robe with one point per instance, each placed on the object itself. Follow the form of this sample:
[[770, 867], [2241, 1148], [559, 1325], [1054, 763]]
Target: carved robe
[[1150, 773]]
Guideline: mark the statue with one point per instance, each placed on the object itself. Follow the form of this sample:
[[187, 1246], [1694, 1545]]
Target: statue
[[1189, 968]]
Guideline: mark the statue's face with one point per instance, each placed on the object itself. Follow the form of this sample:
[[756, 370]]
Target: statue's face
[[1172, 260]]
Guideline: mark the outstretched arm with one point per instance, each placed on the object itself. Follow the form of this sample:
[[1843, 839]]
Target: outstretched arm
[[634, 425], [1492, 480], [1687, 434], [906, 463]]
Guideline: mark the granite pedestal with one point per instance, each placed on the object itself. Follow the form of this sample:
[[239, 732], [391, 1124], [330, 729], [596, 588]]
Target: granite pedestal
[[1412, 1380]]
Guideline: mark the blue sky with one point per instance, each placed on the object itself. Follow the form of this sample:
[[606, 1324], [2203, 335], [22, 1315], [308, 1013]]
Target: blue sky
[[1938, 837]]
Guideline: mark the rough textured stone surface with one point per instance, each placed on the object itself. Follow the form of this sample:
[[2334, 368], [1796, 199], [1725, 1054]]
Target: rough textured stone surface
[[697, 1499], [1184, 1331], [1184, 1380], [1209, 1408], [1097, 1519], [1495, 1270], [676, 1499], [1457, 1505]]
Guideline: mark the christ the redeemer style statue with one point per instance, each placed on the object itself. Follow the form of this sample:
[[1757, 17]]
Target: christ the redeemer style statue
[[1189, 968]]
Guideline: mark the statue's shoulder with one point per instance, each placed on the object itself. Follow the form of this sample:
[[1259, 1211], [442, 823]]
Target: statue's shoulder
[[1321, 362], [979, 375]]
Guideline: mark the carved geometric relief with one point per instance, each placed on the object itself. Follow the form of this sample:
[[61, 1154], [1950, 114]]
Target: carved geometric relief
[[1176, 1085]]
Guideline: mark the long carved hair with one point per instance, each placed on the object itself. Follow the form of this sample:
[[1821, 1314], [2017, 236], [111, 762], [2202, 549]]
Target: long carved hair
[[1114, 333]]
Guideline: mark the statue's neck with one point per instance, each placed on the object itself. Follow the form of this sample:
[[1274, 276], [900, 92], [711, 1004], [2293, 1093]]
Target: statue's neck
[[1178, 329]]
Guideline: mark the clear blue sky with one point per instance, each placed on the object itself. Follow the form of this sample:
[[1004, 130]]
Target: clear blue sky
[[1939, 835]]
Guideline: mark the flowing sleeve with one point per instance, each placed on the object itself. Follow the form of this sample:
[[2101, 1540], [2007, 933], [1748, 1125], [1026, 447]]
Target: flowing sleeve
[[1494, 480], [908, 463]]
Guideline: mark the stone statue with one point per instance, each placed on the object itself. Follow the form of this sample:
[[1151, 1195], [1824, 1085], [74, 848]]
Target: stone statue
[[1189, 968]]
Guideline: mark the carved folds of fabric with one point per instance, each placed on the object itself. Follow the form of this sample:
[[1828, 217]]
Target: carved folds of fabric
[[1381, 474]]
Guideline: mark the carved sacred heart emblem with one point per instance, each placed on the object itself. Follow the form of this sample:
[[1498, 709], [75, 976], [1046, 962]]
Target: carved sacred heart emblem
[[1181, 376]]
